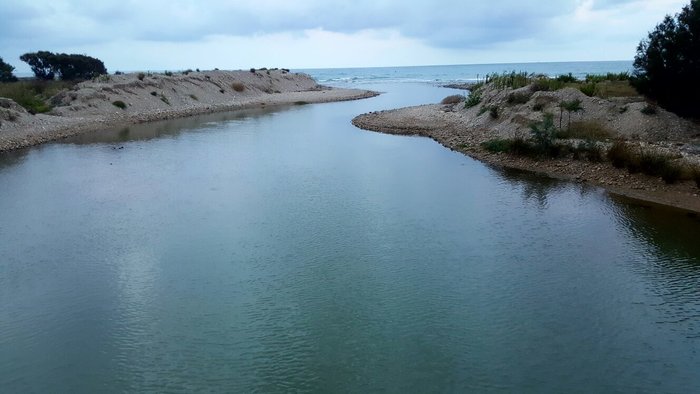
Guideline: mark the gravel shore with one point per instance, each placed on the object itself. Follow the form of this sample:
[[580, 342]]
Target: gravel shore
[[465, 129], [95, 105]]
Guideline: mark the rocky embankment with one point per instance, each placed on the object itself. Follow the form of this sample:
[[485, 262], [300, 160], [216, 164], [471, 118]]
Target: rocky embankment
[[466, 129], [138, 97]]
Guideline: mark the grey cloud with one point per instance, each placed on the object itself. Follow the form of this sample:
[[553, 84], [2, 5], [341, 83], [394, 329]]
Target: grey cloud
[[460, 24]]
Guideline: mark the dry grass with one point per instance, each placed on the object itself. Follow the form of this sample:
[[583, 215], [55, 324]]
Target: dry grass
[[586, 130], [609, 89], [238, 87], [454, 99]]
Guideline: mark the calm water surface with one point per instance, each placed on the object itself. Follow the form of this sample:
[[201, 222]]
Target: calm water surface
[[284, 250]]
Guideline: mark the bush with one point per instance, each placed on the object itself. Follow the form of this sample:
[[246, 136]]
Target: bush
[[586, 130], [6, 72], [588, 150], [493, 112], [543, 133], [518, 98], [513, 80], [164, 99], [154, 93], [252, 70], [193, 97], [238, 87], [588, 89], [568, 78], [666, 63], [118, 73], [473, 99], [620, 154], [515, 146], [453, 99], [33, 95], [168, 73], [119, 104], [141, 76], [46, 65]]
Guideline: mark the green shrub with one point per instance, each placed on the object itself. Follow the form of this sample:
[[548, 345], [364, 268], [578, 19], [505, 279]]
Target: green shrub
[[252, 70], [498, 145], [193, 97], [543, 133], [588, 89], [34, 95], [301, 102], [168, 73], [473, 99], [513, 80], [588, 150], [154, 93], [119, 104], [538, 107], [545, 84], [141, 76], [453, 99], [46, 65], [567, 78], [187, 72]]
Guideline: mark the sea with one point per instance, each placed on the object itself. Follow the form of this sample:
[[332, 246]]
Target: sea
[[450, 74]]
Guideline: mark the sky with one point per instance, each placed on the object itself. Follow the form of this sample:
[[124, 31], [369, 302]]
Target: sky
[[131, 35]]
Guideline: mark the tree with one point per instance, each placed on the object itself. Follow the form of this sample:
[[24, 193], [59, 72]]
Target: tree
[[6, 72], [47, 65], [667, 64]]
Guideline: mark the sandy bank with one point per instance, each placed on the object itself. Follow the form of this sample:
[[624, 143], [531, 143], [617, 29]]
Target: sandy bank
[[465, 129], [90, 105]]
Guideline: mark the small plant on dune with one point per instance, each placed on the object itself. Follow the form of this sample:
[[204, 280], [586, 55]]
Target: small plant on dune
[[154, 93], [513, 80], [543, 133], [222, 91], [168, 73], [187, 72], [473, 99], [164, 99], [588, 89], [494, 112], [453, 99], [518, 98], [569, 107], [193, 97], [588, 150], [141, 76], [538, 107], [119, 104], [567, 78], [238, 87], [252, 70]]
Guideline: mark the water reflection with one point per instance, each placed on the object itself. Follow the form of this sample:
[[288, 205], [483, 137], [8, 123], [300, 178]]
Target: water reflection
[[172, 127]]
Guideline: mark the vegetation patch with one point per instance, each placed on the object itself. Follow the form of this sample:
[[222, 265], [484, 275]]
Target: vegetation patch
[[141, 76], [586, 130], [238, 87], [193, 97], [33, 95], [473, 99], [164, 99], [453, 99], [518, 98], [301, 103], [119, 104]]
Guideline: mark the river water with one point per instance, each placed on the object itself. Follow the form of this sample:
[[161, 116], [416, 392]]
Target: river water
[[282, 249]]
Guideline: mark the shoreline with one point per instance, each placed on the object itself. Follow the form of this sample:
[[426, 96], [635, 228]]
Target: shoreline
[[90, 106], [443, 124]]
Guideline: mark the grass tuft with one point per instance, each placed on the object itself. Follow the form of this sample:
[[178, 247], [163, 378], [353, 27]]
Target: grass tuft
[[238, 87], [453, 99]]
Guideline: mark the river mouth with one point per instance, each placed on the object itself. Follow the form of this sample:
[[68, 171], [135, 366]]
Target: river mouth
[[285, 250]]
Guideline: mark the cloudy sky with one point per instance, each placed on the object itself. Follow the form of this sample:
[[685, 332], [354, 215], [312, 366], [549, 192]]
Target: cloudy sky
[[233, 34]]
